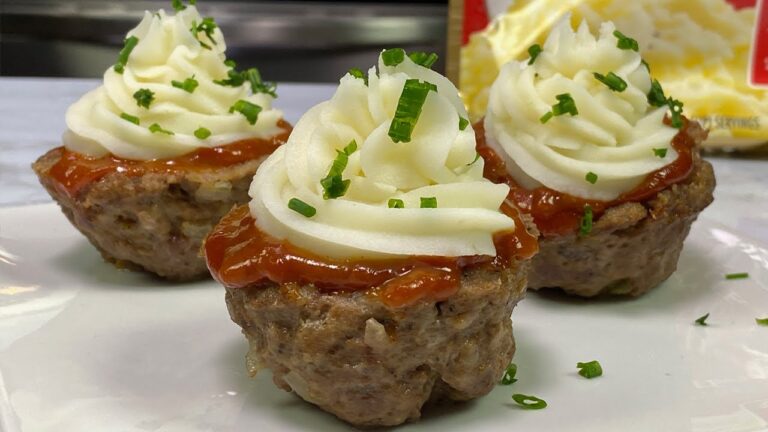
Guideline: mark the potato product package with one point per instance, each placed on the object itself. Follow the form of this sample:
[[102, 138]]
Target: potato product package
[[710, 54]]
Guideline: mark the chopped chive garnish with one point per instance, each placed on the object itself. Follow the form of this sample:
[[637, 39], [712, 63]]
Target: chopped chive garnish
[[534, 51], [122, 58], [234, 79], [676, 110], [156, 128], [645, 63], [762, 321], [249, 110], [423, 59], [202, 133], [395, 203], [351, 147], [477, 158], [731, 276], [178, 5], [409, 109], [509, 375], [529, 402], [591, 177], [393, 56], [130, 118], [702, 320], [188, 85], [428, 202], [357, 73], [625, 42], [334, 186], [253, 76], [144, 97], [656, 95], [590, 369], [230, 63], [565, 105], [207, 27], [586, 221], [463, 123], [660, 152], [612, 81], [301, 207]]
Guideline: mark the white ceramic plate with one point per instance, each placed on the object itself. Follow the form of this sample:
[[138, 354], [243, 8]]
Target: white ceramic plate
[[86, 347]]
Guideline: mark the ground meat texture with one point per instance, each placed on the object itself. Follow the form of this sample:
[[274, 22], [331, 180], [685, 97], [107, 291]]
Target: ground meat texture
[[154, 222], [371, 365], [632, 248]]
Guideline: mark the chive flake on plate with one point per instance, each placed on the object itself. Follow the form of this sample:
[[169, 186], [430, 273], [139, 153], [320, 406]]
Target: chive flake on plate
[[625, 42], [423, 59], [301, 207], [249, 110], [122, 58], [144, 97], [660, 152], [565, 105], [612, 81], [156, 128], [357, 73], [202, 133], [393, 56], [188, 85], [509, 375], [590, 369], [477, 158], [534, 51], [395, 203], [130, 118], [585, 227], [529, 402], [731, 276], [428, 202], [409, 109], [702, 320], [762, 321], [591, 177]]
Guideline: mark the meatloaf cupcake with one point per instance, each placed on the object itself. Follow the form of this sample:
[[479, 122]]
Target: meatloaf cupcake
[[604, 162], [154, 157], [375, 268]]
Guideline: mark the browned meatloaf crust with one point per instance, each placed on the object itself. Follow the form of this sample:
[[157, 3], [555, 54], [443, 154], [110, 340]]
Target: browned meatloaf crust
[[371, 365], [633, 247], [157, 221]]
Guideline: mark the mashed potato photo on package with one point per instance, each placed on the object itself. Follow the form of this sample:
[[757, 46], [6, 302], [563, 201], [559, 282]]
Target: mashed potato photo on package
[[700, 51]]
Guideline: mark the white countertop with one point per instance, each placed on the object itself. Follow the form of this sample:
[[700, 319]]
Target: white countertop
[[32, 120]]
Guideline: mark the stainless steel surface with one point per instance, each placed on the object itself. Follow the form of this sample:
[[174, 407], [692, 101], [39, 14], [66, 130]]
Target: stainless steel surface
[[289, 41]]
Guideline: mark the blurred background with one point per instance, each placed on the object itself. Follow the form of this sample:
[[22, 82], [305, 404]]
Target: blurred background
[[287, 40]]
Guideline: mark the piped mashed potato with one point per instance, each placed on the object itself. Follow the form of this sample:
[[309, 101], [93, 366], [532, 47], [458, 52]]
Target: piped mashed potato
[[182, 48], [424, 196], [611, 138], [698, 51]]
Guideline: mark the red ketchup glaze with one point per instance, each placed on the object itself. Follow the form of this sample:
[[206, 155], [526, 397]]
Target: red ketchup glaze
[[75, 171], [240, 255], [556, 213]]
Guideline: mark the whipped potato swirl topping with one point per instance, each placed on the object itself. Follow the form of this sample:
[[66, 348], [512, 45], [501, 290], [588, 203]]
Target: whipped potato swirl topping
[[168, 50], [438, 162], [614, 141]]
